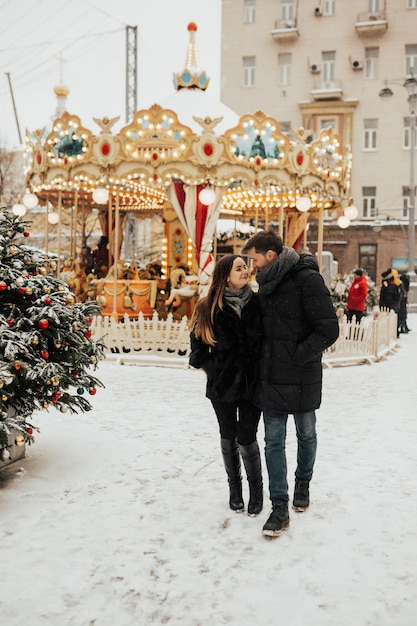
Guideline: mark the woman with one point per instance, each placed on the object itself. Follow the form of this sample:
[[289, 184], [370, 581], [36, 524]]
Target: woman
[[225, 339], [390, 293]]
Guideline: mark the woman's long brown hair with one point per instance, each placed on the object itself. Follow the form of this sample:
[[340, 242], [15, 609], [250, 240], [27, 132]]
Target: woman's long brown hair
[[203, 317]]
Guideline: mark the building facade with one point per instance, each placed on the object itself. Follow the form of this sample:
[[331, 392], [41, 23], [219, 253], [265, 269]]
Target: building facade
[[323, 63]]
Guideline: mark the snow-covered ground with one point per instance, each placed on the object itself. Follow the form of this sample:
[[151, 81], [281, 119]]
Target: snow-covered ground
[[119, 517]]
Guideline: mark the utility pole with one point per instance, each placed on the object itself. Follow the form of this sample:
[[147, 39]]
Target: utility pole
[[14, 107], [130, 243]]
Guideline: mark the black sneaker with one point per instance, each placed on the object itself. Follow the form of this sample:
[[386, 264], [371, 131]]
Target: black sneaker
[[301, 500], [278, 521]]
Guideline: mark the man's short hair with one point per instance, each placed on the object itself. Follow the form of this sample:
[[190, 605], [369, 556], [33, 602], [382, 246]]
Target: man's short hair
[[263, 241]]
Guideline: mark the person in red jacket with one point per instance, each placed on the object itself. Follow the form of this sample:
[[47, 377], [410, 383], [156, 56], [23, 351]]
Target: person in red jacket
[[356, 299]]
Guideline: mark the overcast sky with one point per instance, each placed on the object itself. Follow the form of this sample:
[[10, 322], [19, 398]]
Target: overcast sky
[[90, 35]]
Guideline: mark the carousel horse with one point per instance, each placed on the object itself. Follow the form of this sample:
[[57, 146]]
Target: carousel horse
[[178, 277], [76, 279]]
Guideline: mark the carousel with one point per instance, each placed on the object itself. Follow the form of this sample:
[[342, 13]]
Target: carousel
[[189, 160]]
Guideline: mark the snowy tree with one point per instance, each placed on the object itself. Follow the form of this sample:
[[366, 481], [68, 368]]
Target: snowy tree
[[46, 345]]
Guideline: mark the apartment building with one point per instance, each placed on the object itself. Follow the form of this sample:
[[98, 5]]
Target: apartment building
[[321, 63]]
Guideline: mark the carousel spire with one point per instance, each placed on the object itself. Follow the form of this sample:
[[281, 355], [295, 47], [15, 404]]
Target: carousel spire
[[61, 91], [191, 77]]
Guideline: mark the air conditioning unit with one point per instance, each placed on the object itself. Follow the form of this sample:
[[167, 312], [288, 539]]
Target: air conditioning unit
[[318, 12], [289, 24], [374, 17], [314, 68], [357, 65]]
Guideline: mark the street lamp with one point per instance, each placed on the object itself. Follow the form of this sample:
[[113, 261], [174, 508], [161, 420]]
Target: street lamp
[[411, 85]]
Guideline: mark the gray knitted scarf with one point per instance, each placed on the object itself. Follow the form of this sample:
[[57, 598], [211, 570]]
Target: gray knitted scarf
[[237, 300], [270, 276]]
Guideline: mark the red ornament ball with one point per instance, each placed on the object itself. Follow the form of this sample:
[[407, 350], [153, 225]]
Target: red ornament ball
[[26, 233], [3, 285], [43, 323], [92, 391]]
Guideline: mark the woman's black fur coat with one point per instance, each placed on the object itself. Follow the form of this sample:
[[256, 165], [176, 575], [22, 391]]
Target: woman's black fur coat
[[232, 364]]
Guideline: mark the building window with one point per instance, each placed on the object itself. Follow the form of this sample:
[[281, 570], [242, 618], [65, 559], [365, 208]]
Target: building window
[[406, 201], [369, 201], [407, 135], [412, 4], [329, 7], [371, 62], [250, 11], [367, 259], [374, 6], [411, 59], [249, 65], [284, 68], [287, 13], [370, 132], [328, 123], [328, 61]]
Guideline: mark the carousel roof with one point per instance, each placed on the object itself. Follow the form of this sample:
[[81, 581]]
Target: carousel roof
[[195, 139]]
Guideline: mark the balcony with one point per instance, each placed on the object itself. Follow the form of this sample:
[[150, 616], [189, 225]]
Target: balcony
[[327, 90], [371, 24], [285, 30]]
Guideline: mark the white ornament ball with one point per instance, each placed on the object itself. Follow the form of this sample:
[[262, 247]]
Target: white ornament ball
[[4, 454]]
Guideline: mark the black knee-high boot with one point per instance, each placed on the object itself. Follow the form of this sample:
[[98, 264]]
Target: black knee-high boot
[[252, 462], [231, 460]]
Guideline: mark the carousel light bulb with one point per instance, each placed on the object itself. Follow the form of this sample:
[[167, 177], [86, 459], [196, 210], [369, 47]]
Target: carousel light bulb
[[53, 217], [343, 221], [19, 209], [206, 196], [100, 195], [351, 212], [303, 204], [30, 201]]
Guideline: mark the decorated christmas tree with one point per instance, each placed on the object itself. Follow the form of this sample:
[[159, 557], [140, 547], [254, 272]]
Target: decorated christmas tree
[[46, 347]]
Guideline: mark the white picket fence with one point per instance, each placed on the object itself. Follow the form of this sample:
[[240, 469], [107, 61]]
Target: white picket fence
[[167, 342], [366, 342], [146, 341]]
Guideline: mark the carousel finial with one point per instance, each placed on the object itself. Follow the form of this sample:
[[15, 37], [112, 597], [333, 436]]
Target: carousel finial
[[191, 77], [61, 91]]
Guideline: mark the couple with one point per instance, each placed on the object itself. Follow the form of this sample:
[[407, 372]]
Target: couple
[[263, 352]]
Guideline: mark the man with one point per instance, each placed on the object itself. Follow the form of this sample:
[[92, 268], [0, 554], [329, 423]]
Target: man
[[356, 298], [299, 323]]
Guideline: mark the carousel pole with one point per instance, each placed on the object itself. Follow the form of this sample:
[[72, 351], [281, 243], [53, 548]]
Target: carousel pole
[[281, 222], [74, 215], [58, 270], [320, 238], [116, 256], [109, 231], [46, 230]]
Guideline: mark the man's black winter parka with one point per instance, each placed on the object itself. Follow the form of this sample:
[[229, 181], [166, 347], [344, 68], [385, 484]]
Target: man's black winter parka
[[299, 323]]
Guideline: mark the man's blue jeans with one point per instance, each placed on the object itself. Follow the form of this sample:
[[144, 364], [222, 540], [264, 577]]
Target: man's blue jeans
[[275, 456]]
